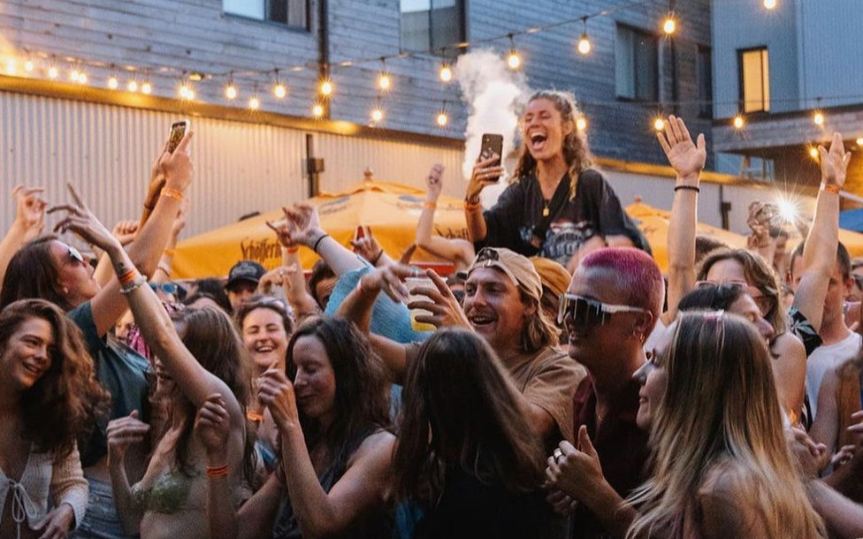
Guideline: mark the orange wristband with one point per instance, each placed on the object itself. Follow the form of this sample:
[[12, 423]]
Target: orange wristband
[[830, 188], [291, 250], [168, 252], [128, 277], [217, 471], [470, 206], [172, 193], [430, 205], [254, 417]]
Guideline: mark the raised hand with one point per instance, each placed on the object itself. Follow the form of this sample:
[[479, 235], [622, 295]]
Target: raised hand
[[434, 185], [182, 215], [390, 278], [125, 231], [123, 432], [368, 248], [213, 424], [306, 223], [29, 210], [759, 222], [834, 162], [81, 221], [575, 471], [484, 173], [177, 166], [276, 392], [686, 158], [811, 458], [441, 303], [276, 277]]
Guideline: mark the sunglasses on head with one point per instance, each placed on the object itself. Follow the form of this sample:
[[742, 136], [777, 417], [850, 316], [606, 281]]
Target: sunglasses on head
[[764, 302], [590, 312], [167, 288]]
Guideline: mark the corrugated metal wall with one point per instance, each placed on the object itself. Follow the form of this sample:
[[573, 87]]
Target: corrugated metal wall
[[107, 151]]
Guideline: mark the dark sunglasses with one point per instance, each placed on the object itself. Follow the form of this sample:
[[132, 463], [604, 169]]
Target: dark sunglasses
[[167, 288], [590, 312], [75, 254], [487, 254]]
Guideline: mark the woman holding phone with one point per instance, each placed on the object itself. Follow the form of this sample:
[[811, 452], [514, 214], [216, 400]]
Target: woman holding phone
[[557, 205]]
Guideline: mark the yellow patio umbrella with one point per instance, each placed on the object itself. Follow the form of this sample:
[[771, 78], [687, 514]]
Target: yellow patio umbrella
[[653, 223], [390, 210]]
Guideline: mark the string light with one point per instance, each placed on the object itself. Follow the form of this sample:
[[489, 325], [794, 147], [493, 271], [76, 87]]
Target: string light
[[29, 65], [132, 86], [377, 114], [513, 60], [186, 91], [818, 119], [82, 78], [74, 75], [279, 89], [584, 46], [231, 90], [442, 119], [770, 4], [326, 88], [670, 25], [254, 103], [445, 72], [813, 152], [146, 88], [318, 110], [659, 124], [11, 66], [739, 122], [53, 72], [859, 141], [112, 82], [384, 79], [581, 123]]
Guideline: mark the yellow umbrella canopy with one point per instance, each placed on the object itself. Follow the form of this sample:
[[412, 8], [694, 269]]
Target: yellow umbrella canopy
[[653, 223], [390, 210]]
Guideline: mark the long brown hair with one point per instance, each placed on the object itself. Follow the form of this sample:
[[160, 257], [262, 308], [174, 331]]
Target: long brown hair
[[576, 152], [719, 365], [211, 337], [362, 396], [460, 411], [32, 274], [65, 402]]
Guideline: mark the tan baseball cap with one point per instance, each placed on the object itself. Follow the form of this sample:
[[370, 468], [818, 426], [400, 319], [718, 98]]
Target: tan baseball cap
[[553, 275], [518, 268]]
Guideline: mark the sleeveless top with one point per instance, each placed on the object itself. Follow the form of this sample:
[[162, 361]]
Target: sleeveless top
[[375, 526]]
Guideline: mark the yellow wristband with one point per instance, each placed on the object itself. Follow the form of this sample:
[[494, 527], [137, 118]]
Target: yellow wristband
[[172, 193]]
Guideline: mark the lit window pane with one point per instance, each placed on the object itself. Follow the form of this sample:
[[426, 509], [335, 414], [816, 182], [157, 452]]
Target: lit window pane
[[254, 9]]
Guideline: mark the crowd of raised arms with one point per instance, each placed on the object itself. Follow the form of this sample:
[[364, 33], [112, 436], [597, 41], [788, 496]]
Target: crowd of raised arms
[[568, 389]]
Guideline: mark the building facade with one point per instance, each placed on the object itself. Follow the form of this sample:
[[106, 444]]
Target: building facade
[[102, 131], [794, 75]]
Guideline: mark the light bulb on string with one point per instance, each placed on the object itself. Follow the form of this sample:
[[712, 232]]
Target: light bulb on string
[[770, 4], [445, 72], [859, 142], [514, 59], [385, 81], [317, 110], [669, 26], [53, 72], [377, 114], [254, 103], [146, 88], [442, 117], [326, 88], [813, 152], [279, 89], [74, 75], [584, 45], [132, 85], [739, 122], [658, 124], [581, 124], [818, 119], [82, 78], [231, 90], [29, 65], [112, 82]]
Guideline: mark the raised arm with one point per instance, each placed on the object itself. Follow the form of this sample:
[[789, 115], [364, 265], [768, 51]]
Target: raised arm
[[125, 232], [28, 224], [687, 160], [306, 230], [294, 281], [483, 175], [819, 253], [359, 491], [459, 252], [369, 248]]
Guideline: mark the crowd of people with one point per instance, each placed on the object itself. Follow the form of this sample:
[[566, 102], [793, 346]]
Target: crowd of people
[[566, 388]]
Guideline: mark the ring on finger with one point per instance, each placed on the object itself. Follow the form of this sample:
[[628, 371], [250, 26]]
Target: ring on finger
[[557, 454]]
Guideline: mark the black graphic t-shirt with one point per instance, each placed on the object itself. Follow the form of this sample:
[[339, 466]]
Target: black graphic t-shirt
[[513, 221]]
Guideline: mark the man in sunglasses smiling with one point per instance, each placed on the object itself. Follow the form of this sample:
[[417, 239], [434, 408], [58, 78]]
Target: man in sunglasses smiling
[[612, 305]]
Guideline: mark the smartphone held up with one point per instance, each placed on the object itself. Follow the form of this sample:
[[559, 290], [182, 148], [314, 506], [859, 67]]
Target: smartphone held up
[[491, 145], [178, 131]]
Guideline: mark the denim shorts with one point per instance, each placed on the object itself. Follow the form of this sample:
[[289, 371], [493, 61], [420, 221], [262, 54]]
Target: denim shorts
[[101, 520]]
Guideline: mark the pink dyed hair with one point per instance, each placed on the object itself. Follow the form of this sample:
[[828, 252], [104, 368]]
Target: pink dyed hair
[[636, 273]]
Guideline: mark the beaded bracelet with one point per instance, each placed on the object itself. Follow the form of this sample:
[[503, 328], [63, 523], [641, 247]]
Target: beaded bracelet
[[172, 193], [136, 284]]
